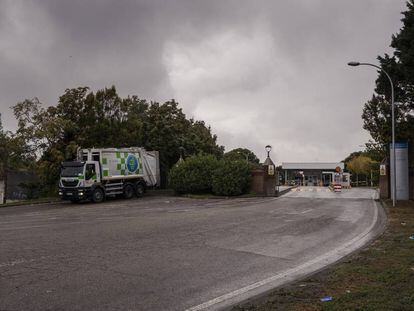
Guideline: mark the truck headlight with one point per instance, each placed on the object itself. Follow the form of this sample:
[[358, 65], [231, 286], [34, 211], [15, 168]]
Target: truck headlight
[[60, 193]]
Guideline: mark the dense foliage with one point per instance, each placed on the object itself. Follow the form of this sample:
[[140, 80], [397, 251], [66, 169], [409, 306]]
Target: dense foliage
[[363, 166], [13, 152], [205, 174], [377, 111], [194, 175], [242, 154], [231, 178], [104, 119]]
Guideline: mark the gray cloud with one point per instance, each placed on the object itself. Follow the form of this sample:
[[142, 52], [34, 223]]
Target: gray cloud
[[258, 72]]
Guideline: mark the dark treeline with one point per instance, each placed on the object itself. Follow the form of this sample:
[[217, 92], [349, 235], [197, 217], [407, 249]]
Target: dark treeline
[[47, 136]]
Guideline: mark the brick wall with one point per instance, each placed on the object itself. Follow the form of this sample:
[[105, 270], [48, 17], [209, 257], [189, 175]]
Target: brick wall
[[257, 185]]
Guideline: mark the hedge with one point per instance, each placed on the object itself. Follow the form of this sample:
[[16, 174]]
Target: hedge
[[205, 174], [231, 178], [194, 175]]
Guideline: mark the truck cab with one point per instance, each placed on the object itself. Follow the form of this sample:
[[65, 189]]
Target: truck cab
[[78, 179]]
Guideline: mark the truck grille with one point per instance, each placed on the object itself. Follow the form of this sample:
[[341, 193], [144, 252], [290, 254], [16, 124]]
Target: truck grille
[[67, 183]]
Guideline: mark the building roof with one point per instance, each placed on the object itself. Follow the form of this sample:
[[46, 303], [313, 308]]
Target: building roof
[[312, 165]]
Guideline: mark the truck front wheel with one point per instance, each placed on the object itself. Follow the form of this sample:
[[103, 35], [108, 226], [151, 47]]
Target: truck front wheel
[[139, 189], [97, 195], [128, 191]]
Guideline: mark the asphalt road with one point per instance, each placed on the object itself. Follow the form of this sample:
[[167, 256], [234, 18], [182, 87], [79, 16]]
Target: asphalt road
[[173, 253]]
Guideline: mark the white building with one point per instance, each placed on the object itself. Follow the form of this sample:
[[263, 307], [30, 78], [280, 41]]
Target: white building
[[315, 173]]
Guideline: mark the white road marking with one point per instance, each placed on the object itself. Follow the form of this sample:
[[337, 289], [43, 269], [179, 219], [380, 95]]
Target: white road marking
[[307, 211], [322, 260]]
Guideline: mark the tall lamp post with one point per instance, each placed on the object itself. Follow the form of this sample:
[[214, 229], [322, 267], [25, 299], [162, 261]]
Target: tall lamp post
[[268, 148], [394, 177]]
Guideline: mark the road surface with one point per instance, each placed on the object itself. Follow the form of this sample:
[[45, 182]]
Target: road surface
[[173, 253]]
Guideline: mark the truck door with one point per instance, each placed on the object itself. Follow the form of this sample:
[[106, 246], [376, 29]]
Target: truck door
[[92, 174], [97, 172]]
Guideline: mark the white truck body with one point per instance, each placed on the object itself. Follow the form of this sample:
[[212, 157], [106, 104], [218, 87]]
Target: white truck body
[[125, 163], [112, 171]]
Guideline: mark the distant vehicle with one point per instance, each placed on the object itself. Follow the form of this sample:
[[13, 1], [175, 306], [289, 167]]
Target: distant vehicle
[[100, 173]]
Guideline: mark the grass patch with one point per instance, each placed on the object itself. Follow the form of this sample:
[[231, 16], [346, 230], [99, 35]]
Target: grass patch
[[379, 277]]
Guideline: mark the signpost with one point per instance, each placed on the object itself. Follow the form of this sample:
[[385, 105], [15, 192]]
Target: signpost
[[338, 179], [383, 170], [401, 171]]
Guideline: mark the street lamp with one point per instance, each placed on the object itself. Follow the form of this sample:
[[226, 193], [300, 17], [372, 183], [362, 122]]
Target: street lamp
[[268, 148], [394, 177]]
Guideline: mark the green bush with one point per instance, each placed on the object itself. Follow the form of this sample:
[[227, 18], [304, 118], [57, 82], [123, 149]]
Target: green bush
[[231, 178], [194, 175]]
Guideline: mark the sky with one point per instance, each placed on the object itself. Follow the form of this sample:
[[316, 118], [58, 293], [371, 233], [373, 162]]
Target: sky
[[258, 72]]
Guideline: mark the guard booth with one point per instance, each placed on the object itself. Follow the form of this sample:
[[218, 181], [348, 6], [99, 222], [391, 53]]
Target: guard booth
[[269, 180], [311, 173], [264, 178]]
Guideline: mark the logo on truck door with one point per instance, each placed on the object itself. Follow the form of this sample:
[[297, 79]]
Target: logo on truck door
[[132, 163]]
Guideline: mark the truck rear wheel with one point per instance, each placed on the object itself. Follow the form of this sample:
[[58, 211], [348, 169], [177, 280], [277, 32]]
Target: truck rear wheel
[[128, 191], [97, 195], [139, 189]]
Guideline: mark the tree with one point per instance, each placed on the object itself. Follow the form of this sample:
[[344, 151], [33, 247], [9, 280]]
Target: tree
[[400, 66], [13, 155], [231, 177], [194, 175], [352, 156], [104, 119], [242, 154], [361, 165]]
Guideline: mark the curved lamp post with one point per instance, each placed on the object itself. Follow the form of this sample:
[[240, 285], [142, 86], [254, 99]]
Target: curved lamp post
[[394, 177]]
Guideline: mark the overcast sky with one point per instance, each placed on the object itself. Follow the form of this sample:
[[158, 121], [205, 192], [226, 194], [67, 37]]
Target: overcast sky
[[259, 72]]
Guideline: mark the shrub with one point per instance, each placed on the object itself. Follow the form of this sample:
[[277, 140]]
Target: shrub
[[231, 178], [194, 175]]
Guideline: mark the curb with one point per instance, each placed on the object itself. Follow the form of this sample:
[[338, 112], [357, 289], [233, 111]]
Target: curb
[[280, 193], [29, 203]]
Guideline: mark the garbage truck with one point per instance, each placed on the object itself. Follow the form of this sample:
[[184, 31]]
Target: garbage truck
[[105, 172]]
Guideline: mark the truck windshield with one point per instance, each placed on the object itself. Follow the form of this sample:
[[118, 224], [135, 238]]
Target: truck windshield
[[71, 171]]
